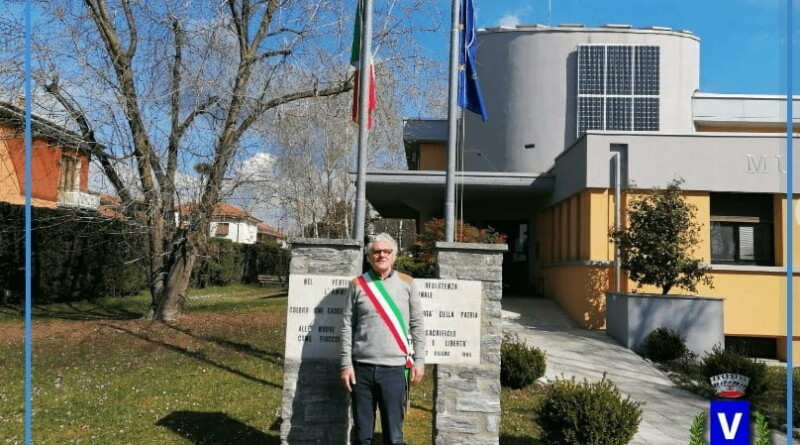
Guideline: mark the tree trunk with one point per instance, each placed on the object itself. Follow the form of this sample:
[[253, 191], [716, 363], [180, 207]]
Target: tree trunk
[[169, 305]]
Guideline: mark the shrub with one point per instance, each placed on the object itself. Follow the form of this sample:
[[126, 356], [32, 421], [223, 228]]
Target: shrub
[[264, 259], [409, 265], [586, 413], [657, 246], [520, 365], [424, 248], [664, 344], [77, 255], [222, 264], [795, 397], [720, 361]]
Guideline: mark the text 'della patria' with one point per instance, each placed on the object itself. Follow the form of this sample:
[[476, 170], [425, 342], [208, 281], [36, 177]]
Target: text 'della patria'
[[452, 310]]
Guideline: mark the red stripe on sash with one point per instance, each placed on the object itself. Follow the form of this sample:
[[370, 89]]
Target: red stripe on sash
[[382, 313]]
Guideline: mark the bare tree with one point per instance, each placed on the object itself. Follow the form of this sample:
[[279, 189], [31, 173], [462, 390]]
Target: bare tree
[[158, 86], [315, 146], [316, 155]]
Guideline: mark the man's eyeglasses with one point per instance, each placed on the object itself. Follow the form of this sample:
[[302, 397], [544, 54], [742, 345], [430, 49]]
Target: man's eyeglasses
[[377, 252]]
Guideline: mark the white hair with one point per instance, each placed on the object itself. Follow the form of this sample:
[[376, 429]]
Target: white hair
[[382, 237]]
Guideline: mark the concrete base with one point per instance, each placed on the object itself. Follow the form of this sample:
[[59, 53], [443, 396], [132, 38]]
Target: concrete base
[[631, 317]]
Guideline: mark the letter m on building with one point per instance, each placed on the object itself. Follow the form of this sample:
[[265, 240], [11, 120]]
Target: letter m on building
[[757, 165]]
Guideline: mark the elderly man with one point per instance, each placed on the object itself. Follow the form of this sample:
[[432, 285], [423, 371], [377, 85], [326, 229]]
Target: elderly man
[[383, 344]]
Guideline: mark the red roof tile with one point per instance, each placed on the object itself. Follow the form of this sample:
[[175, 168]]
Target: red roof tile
[[268, 229], [221, 210]]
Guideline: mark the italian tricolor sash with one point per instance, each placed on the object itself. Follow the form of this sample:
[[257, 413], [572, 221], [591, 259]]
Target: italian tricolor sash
[[388, 312]]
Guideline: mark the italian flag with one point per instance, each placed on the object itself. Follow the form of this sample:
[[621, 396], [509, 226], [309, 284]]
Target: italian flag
[[355, 60]]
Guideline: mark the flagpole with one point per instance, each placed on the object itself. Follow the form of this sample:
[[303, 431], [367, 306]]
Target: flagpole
[[365, 64], [452, 134]]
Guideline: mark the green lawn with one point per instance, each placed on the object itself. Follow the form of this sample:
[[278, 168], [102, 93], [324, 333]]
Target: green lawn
[[102, 375]]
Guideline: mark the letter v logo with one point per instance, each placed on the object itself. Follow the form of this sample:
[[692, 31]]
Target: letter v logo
[[729, 431], [730, 422]]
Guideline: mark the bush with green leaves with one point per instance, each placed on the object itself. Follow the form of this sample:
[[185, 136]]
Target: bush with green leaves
[[78, 255], [664, 344], [520, 365], [225, 262], [411, 266], [583, 413], [721, 361], [795, 396], [264, 259], [221, 264], [657, 246]]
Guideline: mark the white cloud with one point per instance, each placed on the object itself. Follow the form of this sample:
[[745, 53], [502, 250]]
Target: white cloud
[[509, 20], [261, 166], [188, 187]]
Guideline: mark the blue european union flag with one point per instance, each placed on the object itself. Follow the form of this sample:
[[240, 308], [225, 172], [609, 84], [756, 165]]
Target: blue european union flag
[[469, 90], [730, 422]]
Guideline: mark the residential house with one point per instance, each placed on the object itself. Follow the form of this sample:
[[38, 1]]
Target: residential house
[[59, 162], [269, 234], [575, 113], [229, 222]]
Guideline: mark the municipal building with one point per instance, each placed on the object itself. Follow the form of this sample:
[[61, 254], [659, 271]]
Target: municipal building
[[577, 113]]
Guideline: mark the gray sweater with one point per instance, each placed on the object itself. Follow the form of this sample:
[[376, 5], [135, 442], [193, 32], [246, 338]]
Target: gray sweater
[[367, 339]]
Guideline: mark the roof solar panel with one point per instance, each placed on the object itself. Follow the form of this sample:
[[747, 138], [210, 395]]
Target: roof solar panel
[[619, 69], [647, 73], [646, 113], [591, 69], [590, 113], [618, 87]]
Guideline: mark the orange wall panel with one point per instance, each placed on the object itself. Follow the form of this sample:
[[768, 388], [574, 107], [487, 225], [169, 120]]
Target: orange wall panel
[[84, 176], [432, 157], [45, 167]]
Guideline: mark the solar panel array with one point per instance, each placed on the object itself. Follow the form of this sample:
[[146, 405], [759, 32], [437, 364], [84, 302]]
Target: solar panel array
[[618, 87]]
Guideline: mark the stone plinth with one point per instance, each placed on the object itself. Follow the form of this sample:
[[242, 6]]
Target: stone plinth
[[468, 397], [315, 407], [631, 317]]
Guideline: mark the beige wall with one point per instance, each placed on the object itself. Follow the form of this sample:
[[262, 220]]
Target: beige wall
[[580, 291], [754, 296]]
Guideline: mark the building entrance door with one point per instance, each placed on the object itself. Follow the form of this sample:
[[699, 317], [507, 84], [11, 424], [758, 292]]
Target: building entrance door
[[516, 261]]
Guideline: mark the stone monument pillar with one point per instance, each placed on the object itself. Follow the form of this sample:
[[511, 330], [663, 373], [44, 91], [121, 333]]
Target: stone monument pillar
[[315, 406], [468, 397]]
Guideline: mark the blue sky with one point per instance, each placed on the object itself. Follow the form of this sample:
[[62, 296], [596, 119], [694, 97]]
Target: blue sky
[[742, 42]]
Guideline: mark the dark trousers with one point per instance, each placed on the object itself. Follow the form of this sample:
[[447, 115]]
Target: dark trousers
[[382, 387]]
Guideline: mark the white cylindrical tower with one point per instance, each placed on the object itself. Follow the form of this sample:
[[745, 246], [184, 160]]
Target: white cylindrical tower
[[529, 79]]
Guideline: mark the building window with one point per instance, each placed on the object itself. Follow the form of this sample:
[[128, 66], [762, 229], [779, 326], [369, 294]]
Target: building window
[[69, 178], [618, 88], [222, 229], [741, 229]]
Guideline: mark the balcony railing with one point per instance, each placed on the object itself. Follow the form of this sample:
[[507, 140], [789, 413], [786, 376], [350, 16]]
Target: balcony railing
[[76, 198]]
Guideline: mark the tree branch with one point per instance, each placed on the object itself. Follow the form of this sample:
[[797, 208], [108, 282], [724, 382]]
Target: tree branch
[[277, 52], [133, 36], [263, 106], [88, 135], [146, 158]]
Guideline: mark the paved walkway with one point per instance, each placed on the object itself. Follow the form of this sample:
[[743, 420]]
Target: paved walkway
[[571, 351]]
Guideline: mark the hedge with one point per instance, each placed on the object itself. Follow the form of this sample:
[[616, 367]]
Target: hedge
[[81, 255], [76, 255], [226, 262]]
